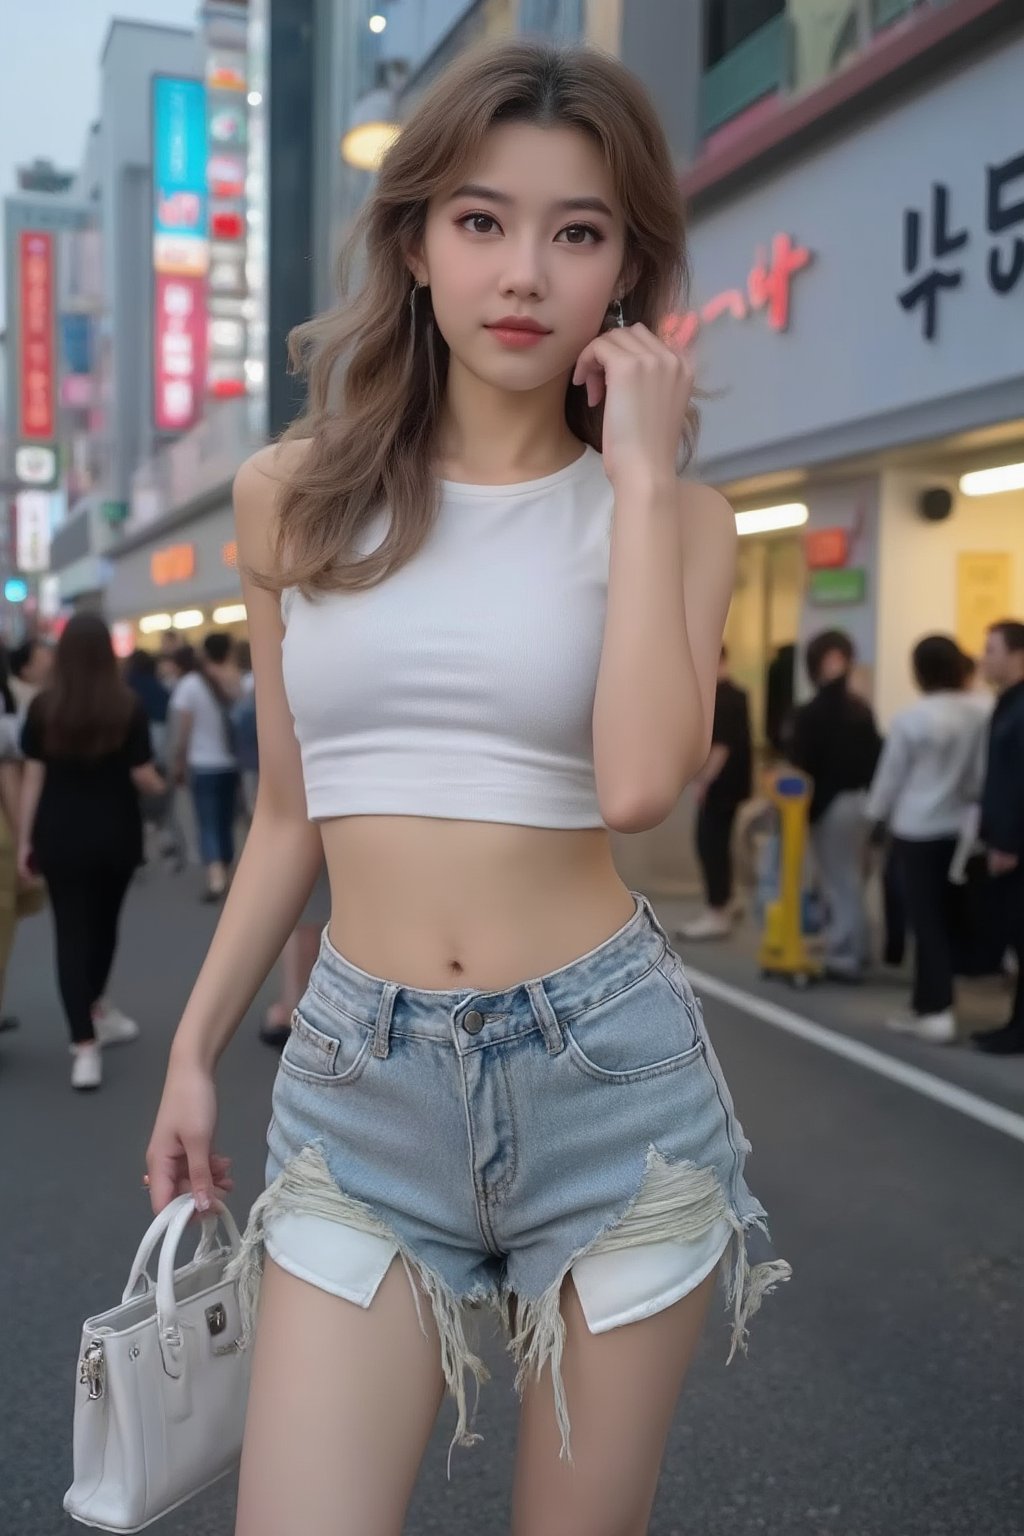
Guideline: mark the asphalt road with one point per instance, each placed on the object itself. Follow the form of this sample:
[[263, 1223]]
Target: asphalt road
[[884, 1390]]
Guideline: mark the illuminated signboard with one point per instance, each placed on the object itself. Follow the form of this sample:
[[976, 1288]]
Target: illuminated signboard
[[768, 287], [37, 374], [175, 563], [181, 251]]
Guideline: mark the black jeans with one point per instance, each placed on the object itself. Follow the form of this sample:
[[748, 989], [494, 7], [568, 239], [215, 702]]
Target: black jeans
[[86, 901], [714, 849], [932, 910]]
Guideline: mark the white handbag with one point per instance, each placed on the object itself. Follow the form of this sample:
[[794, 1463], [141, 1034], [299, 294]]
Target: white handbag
[[162, 1382]]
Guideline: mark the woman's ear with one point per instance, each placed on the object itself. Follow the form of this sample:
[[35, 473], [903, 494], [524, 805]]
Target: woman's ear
[[416, 265]]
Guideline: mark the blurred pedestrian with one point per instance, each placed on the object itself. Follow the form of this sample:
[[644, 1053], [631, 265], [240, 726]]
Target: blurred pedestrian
[[205, 755], [778, 698], [140, 673], [836, 742], [18, 897], [31, 670], [142, 676], [929, 776], [1002, 814], [88, 755], [720, 789], [244, 727]]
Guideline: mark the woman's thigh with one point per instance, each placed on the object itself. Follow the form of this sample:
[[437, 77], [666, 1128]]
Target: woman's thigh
[[622, 1388], [341, 1405]]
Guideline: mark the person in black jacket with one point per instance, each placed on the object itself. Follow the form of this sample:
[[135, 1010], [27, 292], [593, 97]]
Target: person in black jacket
[[1002, 814], [87, 750], [720, 789], [835, 741]]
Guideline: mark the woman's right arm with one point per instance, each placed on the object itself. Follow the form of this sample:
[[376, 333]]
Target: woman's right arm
[[279, 864]]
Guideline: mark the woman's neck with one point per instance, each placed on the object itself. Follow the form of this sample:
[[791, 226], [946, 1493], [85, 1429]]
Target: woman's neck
[[491, 436]]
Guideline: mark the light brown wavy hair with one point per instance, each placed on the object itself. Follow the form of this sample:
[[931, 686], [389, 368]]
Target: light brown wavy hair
[[376, 381]]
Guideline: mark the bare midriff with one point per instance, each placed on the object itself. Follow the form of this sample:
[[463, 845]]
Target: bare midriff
[[484, 905]]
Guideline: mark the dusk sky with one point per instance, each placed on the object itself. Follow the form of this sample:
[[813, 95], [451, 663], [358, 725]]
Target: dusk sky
[[49, 77]]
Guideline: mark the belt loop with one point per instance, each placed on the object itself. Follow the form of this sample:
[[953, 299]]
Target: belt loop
[[545, 1016], [651, 916], [382, 1028]]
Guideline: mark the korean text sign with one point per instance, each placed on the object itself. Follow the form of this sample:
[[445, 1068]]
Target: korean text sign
[[36, 364], [180, 250]]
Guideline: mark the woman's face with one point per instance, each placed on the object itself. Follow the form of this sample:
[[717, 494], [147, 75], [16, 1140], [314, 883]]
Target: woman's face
[[534, 231]]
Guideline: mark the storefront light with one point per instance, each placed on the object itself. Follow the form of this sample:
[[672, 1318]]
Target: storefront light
[[188, 618], [374, 124], [788, 514], [989, 482], [231, 613], [154, 622]]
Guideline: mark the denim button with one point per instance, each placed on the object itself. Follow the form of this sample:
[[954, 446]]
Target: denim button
[[473, 1023]]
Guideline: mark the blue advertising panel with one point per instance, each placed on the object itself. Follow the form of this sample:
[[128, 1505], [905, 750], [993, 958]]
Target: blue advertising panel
[[179, 176]]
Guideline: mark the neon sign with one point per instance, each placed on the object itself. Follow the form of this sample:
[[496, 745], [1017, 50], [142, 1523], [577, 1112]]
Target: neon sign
[[768, 287]]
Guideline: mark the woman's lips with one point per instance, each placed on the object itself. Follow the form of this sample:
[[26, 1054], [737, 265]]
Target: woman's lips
[[516, 337]]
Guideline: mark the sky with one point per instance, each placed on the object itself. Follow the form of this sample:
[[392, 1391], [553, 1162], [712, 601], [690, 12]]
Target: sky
[[49, 75]]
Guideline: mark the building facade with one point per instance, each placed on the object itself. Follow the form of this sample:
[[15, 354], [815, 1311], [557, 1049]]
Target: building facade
[[857, 320]]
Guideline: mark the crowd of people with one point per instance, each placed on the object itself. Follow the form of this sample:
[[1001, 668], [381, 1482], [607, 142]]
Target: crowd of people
[[940, 800], [91, 751]]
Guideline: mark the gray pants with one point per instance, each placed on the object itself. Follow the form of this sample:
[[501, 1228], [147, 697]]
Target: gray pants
[[838, 839]]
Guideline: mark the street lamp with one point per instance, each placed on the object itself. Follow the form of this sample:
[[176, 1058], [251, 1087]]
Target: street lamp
[[374, 126]]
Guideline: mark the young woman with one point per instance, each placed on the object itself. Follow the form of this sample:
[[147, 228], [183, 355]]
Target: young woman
[[205, 754], [485, 618], [88, 756]]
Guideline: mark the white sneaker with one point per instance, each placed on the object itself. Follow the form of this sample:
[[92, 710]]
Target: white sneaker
[[112, 1027], [86, 1066], [710, 925], [935, 1028]]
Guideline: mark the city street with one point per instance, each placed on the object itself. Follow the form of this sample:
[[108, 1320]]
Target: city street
[[882, 1395]]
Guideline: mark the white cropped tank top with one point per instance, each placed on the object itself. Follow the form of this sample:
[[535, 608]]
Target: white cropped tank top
[[463, 685]]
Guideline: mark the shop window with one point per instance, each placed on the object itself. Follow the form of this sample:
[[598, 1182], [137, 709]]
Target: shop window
[[727, 23]]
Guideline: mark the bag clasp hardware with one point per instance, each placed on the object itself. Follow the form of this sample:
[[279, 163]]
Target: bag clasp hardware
[[216, 1318], [93, 1373]]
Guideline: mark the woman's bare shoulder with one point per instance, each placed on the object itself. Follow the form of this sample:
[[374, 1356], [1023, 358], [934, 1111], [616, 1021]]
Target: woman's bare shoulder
[[261, 477]]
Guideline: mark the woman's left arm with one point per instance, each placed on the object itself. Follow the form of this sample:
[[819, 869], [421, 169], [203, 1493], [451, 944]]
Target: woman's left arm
[[670, 580], [673, 561], [32, 779]]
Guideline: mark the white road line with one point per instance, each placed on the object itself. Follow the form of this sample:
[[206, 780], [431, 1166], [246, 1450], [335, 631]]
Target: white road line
[[925, 1083]]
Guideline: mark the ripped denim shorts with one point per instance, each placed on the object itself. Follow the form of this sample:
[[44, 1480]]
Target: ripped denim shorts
[[495, 1142]]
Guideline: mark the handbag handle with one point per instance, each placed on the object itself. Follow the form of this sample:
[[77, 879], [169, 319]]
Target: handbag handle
[[168, 1330], [153, 1234]]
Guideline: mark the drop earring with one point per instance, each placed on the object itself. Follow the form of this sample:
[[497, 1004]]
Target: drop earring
[[412, 314], [620, 319]]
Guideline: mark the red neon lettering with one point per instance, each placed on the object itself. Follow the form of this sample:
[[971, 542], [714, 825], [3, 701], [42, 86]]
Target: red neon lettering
[[771, 285], [677, 331], [729, 303]]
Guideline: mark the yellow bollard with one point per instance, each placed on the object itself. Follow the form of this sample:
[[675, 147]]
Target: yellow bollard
[[784, 949]]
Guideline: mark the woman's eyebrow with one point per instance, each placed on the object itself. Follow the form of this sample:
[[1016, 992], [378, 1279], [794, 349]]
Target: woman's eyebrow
[[565, 205]]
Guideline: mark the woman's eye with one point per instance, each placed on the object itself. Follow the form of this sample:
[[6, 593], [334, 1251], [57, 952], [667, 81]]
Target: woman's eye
[[474, 219], [574, 232]]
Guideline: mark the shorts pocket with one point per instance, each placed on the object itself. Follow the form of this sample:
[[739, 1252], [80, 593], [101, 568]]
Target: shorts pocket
[[646, 1030], [329, 1059]]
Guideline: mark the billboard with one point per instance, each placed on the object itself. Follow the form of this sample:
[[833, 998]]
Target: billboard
[[180, 251], [37, 372], [32, 530]]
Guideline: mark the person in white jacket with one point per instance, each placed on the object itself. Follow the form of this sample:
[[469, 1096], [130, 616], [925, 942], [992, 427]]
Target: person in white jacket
[[929, 775]]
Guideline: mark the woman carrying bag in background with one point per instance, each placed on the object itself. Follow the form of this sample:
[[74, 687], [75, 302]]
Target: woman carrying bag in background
[[88, 757]]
